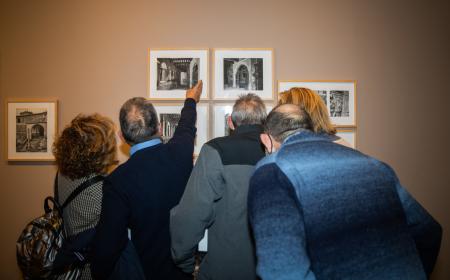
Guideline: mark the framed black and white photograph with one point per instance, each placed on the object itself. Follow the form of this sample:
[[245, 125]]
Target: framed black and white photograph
[[31, 127], [169, 115], [349, 135], [338, 96], [240, 71], [168, 122], [173, 71], [221, 113]]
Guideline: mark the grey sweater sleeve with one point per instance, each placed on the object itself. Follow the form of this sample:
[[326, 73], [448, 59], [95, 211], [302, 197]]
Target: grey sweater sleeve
[[195, 212]]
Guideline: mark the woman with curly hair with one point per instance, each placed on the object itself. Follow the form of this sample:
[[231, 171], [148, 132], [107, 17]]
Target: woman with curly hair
[[314, 106], [85, 149]]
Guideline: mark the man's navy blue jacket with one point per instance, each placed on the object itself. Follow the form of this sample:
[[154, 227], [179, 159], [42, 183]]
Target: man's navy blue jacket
[[139, 195]]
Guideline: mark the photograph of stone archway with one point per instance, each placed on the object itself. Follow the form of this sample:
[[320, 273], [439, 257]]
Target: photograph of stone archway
[[243, 73]]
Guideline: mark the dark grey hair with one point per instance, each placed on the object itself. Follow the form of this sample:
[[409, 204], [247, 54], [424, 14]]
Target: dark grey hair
[[138, 120], [286, 119], [248, 109]]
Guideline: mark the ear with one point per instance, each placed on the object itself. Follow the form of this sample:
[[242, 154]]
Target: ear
[[159, 129], [265, 139], [120, 134], [230, 123]]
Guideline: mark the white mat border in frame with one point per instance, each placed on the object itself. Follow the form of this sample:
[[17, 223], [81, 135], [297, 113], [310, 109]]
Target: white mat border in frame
[[267, 54]]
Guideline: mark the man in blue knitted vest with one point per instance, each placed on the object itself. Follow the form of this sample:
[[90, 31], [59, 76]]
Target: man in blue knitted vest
[[320, 210]]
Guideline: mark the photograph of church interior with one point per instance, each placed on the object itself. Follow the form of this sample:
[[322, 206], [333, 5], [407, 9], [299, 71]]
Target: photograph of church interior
[[280, 194]]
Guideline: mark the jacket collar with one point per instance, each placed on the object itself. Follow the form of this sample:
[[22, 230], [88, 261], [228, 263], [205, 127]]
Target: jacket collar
[[248, 128], [143, 145], [308, 135]]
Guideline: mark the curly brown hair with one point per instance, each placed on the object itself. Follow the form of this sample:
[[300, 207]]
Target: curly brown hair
[[86, 146]]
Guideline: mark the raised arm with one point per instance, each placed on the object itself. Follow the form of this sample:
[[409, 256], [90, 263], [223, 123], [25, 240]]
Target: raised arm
[[185, 131], [277, 222]]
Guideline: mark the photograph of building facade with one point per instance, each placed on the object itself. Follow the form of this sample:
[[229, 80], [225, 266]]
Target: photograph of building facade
[[177, 73], [243, 73], [31, 130], [339, 103], [169, 123]]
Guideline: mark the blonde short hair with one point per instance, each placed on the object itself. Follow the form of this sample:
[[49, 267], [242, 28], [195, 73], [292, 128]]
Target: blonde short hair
[[313, 104]]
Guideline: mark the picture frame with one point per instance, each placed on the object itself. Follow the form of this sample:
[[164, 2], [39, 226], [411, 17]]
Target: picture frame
[[240, 71], [339, 97], [169, 115], [220, 112], [172, 71], [31, 128], [348, 135]]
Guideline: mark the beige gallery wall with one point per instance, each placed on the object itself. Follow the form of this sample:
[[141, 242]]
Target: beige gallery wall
[[91, 56]]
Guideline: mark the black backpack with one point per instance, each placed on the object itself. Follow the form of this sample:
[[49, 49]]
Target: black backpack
[[39, 242]]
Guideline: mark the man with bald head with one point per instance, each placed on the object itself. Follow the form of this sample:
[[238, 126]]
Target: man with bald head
[[139, 194], [320, 210]]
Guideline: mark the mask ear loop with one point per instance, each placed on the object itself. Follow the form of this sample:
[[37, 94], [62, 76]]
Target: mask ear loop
[[271, 145]]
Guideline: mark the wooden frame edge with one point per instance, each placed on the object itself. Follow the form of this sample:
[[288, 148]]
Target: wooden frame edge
[[8, 100], [349, 129], [328, 81], [213, 60]]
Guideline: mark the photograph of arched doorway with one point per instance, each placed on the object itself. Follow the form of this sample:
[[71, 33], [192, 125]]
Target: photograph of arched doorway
[[242, 77], [243, 73], [37, 131], [240, 71]]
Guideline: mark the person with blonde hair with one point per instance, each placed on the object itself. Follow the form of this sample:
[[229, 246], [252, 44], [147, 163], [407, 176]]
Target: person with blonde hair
[[314, 106], [85, 152]]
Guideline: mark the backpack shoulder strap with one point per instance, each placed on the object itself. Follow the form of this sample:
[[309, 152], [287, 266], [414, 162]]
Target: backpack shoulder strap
[[81, 188], [55, 188]]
